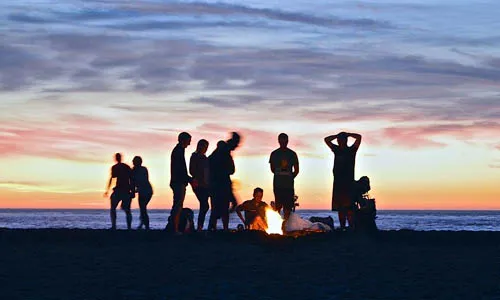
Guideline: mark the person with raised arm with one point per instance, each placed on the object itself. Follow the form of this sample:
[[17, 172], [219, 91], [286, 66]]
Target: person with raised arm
[[122, 192], [221, 192], [343, 175]]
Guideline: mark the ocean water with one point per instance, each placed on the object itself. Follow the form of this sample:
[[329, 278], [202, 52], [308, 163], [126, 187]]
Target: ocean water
[[387, 220]]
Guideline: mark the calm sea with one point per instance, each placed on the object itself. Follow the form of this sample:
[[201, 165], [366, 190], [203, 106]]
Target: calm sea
[[387, 220]]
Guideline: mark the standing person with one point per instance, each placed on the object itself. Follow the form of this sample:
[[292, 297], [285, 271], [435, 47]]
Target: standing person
[[142, 186], [221, 168], [343, 174], [122, 192], [199, 170], [179, 178], [284, 165]]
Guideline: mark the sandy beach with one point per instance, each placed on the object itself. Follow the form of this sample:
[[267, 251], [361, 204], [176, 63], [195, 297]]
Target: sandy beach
[[98, 264]]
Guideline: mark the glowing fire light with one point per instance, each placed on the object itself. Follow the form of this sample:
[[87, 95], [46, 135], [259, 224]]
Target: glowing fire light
[[274, 222]]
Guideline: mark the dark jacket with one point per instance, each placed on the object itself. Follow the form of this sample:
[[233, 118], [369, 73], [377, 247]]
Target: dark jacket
[[199, 169], [221, 166], [178, 171]]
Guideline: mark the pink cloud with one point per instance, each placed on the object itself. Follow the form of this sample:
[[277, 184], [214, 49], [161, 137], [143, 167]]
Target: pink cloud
[[254, 142], [80, 139], [424, 135]]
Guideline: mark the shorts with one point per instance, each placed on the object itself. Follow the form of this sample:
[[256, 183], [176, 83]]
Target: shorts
[[123, 197], [284, 197]]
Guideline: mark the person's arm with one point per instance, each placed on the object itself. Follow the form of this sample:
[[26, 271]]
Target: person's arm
[[106, 192], [296, 166], [133, 183], [329, 141], [192, 165], [231, 166], [357, 138], [182, 160], [239, 208], [272, 163]]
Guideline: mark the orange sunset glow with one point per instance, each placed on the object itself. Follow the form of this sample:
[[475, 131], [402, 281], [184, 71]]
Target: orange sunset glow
[[72, 95]]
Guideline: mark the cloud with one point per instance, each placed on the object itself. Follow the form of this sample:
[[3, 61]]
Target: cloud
[[224, 9], [78, 138], [425, 135]]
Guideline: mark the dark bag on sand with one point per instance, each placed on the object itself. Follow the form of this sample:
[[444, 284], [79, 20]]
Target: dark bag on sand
[[186, 221], [365, 207], [366, 215], [325, 220]]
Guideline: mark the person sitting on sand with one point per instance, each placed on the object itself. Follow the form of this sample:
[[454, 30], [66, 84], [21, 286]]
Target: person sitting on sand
[[122, 192], [255, 211], [143, 187]]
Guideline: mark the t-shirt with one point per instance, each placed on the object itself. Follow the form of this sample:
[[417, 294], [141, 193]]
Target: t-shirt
[[253, 209], [122, 173], [178, 169], [343, 164], [283, 160]]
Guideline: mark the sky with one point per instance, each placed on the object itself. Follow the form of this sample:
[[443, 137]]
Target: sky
[[419, 80]]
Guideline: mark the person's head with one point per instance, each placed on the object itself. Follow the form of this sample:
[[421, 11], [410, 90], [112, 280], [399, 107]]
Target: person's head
[[118, 157], [202, 146], [234, 141], [364, 183], [342, 139], [221, 144], [184, 139], [258, 193], [283, 140], [137, 161]]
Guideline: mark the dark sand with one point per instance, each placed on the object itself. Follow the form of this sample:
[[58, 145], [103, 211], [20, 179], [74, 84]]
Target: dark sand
[[93, 264]]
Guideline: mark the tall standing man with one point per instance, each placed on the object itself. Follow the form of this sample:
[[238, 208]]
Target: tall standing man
[[122, 192], [179, 177], [343, 174], [285, 167]]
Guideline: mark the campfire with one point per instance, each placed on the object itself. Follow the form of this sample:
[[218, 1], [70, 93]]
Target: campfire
[[274, 222]]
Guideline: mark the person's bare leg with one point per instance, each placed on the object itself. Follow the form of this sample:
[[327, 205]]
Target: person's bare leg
[[342, 219], [112, 211]]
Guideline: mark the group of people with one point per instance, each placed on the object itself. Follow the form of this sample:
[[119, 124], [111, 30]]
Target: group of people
[[210, 179]]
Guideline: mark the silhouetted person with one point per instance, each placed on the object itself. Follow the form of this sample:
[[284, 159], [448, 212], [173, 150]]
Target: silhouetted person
[[140, 178], [221, 168], [365, 208], [179, 177], [199, 170], [122, 192], [255, 211], [343, 175], [284, 164], [232, 144]]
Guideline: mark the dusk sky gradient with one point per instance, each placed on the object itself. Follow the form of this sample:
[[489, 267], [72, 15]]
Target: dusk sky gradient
[[420, 80]]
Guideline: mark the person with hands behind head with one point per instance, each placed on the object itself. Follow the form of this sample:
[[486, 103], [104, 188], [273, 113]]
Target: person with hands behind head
[[343, 174]]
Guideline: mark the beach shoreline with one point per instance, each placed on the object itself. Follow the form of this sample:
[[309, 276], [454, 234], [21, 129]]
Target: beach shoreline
[[103, 264]]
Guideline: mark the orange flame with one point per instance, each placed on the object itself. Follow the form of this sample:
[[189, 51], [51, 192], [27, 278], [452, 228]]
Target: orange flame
[[274, 222]]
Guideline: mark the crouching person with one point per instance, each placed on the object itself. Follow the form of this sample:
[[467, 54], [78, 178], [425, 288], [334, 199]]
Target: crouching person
[[366, 211], [255, 211]]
